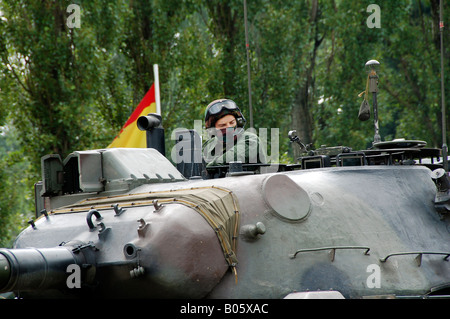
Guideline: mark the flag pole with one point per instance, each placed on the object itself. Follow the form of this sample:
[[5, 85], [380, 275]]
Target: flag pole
[[157, 98]]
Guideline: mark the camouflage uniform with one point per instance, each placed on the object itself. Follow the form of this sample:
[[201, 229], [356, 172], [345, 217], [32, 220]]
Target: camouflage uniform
[[246, 148], [230, 144]]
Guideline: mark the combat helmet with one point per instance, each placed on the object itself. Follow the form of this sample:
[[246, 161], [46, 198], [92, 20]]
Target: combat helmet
[[219, 108]]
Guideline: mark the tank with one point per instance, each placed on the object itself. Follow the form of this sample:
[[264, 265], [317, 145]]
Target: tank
[[338, 223], [129, 224]]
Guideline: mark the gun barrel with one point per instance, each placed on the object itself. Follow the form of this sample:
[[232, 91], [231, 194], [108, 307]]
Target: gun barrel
[[29, 269], [5, 271], [149, 122]]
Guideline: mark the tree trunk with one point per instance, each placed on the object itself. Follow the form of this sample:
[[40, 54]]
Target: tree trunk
[[301, 113], [225, 30]]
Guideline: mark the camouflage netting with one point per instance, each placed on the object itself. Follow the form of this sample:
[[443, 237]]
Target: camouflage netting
[[218, 206]]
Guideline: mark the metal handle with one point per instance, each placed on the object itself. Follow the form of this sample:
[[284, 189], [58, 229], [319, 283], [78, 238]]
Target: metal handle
[[332, 249], [89, 218], [419, 255]]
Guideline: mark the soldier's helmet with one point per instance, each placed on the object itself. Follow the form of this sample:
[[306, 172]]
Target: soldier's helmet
[[219, 108]]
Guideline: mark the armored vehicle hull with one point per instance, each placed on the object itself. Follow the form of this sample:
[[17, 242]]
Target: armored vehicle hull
[[361, 231]]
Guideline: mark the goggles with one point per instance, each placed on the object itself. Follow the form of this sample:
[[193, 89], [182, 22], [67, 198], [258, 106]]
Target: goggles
[[217, 108], [223, 107]]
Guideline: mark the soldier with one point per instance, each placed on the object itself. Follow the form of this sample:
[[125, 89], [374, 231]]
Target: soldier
[[228, 141]]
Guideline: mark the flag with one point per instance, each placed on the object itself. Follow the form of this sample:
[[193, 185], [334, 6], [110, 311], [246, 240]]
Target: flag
[[130, 135]]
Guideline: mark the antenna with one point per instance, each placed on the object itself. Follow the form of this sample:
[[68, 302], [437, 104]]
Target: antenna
[[247, 47], [444, 117], [371, 67]]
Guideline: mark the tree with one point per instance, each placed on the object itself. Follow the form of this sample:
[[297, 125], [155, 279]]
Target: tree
[[57, 69], [15, 206]]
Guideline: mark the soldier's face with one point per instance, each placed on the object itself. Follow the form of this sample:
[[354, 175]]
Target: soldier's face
[[225, 122]]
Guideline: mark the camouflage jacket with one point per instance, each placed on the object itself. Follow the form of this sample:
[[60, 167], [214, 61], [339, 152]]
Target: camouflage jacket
[[247, 148]]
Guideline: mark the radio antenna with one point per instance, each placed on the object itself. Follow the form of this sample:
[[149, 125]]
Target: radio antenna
[[444, 117], [247, 47]]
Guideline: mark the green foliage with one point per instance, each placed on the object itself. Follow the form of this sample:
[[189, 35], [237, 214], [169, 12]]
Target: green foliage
[[16, 179], [65, 89]]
